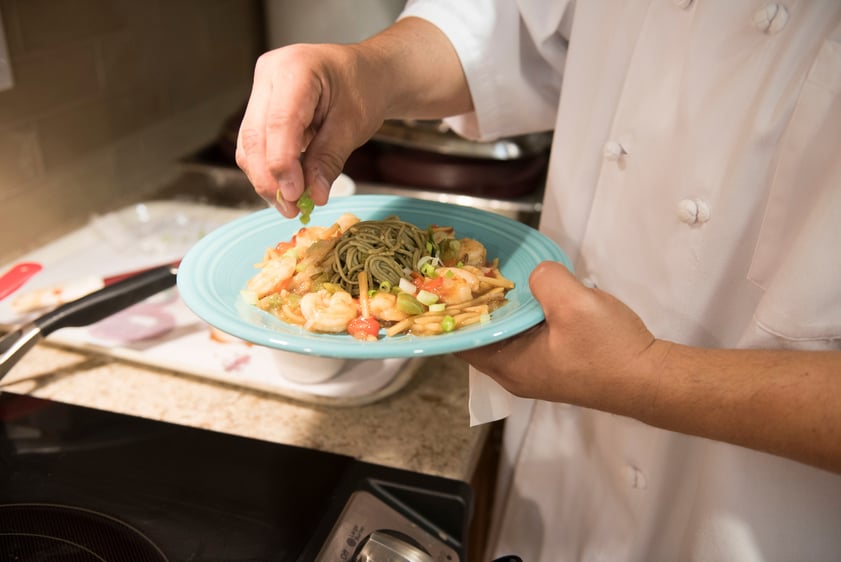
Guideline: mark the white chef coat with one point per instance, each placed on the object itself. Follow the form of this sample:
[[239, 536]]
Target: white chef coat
[[696, 175]]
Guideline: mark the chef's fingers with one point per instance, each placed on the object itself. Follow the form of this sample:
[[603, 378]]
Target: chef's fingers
[[326, 156], [271, 137], [350, 112], [289, 128], [251, 142], [251, 138]]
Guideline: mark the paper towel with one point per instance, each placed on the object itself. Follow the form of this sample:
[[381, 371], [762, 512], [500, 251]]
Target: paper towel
[[487, 401]]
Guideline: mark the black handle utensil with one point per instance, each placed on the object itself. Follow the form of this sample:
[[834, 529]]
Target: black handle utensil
[[85, 311]]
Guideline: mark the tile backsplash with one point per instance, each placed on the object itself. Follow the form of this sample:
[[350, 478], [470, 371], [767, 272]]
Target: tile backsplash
[[107, 95]]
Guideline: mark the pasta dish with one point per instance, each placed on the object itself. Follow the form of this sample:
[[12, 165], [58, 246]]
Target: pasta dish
[[378, 278]]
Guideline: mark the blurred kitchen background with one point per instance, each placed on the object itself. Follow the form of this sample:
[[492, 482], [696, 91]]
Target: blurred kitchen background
[[109, 102]]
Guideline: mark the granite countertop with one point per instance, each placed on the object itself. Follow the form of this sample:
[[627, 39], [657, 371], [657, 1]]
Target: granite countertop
[[423, 427]]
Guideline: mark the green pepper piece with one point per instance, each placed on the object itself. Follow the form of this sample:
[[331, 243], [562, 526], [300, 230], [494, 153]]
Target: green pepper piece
[[409, 304]]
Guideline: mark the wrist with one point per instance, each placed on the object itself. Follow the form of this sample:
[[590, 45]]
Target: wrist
[[416, 70], [649, 373]]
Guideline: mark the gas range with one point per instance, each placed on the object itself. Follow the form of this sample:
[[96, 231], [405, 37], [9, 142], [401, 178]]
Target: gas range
[[84, 484]]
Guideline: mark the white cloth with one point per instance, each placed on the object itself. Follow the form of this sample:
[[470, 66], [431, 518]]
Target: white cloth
[[488, 400], [695, 174]]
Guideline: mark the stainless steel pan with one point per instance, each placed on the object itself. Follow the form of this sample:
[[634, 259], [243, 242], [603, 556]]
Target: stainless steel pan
[[84, 311]]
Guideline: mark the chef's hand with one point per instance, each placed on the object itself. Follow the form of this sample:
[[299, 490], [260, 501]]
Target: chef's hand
[[310, 107], [585, 353], [593, 351]]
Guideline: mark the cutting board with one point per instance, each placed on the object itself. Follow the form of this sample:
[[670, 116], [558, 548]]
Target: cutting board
[[162, 332]]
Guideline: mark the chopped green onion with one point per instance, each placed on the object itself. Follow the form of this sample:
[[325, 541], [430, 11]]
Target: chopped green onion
[[427, 261], [305, 204], [448, 323], [438, 307], [449, 274], [427, 270], [427, 297], [385, 286], [407, 286], [372, 292]]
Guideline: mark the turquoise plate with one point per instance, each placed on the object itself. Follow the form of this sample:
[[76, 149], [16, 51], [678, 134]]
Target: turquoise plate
[[216, 269]]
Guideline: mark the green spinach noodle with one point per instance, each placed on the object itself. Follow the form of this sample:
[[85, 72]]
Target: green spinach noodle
[[384, 249]]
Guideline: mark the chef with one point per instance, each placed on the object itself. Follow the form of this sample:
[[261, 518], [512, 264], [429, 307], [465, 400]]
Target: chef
[[685, 389]]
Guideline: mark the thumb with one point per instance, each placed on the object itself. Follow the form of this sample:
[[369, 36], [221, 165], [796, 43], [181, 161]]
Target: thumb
[[551, 281], [557, 290], [323, 162], [321, 168]]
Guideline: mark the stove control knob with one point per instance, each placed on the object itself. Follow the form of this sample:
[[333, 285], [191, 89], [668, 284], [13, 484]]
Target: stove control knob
[[382, 546]]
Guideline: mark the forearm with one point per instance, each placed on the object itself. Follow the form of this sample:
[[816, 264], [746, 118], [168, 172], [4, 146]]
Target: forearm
[[594, 351], [419, 73], [786, 403]]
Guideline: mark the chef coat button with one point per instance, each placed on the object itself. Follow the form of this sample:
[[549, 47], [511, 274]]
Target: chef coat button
[[693, 211], [770, 18], [613, 151], [634, 477], [683, 3]]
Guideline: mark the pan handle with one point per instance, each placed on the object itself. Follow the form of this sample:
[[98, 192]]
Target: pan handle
[[108, 300], [15, 344]]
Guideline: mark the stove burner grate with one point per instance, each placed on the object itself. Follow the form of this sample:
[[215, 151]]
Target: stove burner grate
[[40, 531]]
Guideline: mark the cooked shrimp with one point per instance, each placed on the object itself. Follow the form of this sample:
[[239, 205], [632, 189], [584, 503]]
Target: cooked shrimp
[[273, 276], [472, 252], [307, 236], [457, 286], [328, 312], [346, 221], [383, 306]]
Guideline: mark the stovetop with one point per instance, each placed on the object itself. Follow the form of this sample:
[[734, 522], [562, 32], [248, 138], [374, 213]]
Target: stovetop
[[83, 484]]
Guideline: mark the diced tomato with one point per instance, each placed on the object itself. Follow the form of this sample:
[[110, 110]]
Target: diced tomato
[[426, 283], [432, 284], [364, 328]]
